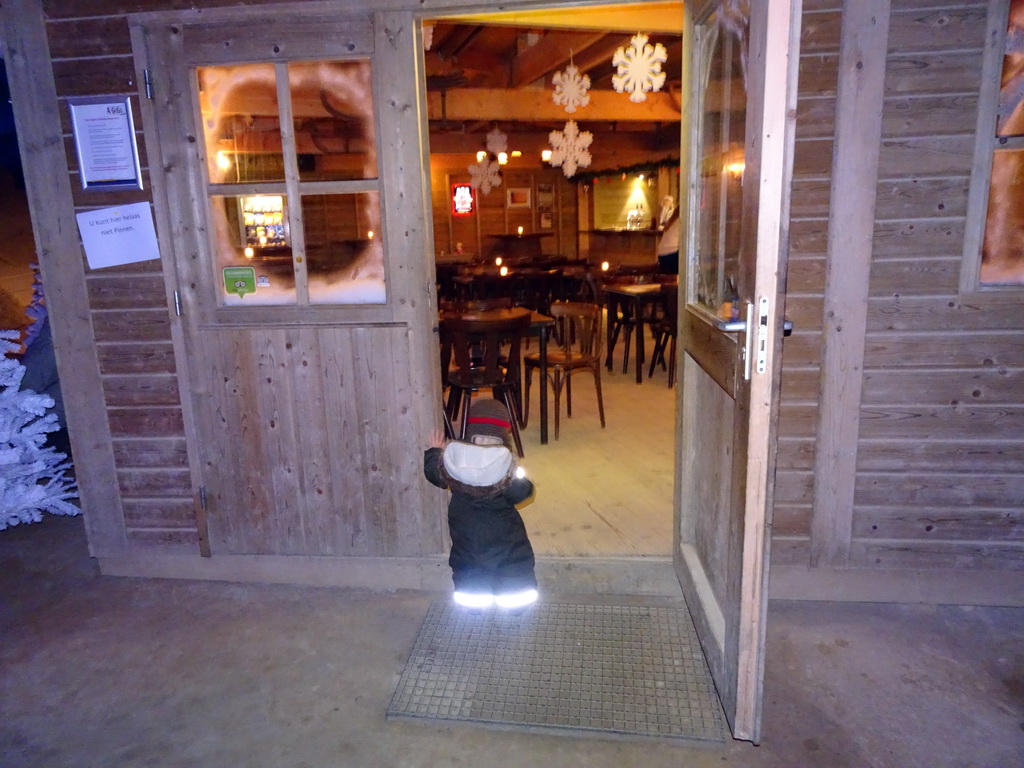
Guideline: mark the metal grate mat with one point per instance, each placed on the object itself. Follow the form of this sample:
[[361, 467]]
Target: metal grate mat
[[614, 669]]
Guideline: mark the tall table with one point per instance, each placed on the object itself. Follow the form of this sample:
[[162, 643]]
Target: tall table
[[539, 325], [633, 298]]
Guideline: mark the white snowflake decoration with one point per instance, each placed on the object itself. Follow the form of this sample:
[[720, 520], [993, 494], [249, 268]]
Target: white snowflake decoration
[[497, 142], [571, 88], [639, 68], [485, 175], [570, 148]]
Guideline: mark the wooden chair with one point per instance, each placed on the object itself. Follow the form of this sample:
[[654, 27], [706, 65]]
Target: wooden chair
[[486, 355], [578, 333], [665, 331]]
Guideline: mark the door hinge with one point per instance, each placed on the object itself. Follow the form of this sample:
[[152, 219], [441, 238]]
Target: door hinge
[[177, 303], [148, 83], [202, 497]]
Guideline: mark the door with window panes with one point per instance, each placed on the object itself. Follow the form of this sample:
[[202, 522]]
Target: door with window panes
[[296, 361], [742, 92]]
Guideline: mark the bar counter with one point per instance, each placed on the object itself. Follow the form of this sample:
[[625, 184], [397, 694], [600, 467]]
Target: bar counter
[[623, 246]]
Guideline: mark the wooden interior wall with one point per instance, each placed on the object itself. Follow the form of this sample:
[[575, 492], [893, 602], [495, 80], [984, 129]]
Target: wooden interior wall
[[939, 453], [493, 214]]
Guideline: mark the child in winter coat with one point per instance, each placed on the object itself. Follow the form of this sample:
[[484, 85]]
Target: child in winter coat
[[491, 559]]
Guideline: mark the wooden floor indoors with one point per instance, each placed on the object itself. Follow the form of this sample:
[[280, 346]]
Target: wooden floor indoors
[[604, 492]]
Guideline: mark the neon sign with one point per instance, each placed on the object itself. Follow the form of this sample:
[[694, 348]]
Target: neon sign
[[463, 200]]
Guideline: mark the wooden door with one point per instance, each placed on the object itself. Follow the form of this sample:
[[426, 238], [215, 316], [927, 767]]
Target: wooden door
[[742, 75], [290, 209]]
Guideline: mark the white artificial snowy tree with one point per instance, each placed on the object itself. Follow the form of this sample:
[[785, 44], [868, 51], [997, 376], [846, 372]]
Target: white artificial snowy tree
[[33, 478]]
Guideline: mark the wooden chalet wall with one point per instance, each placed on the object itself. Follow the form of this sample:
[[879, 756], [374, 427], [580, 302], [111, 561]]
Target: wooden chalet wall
[[916, 488], [113, 326], [912, 393]]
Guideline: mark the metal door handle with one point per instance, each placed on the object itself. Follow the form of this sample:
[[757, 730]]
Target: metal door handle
[[739, 326]]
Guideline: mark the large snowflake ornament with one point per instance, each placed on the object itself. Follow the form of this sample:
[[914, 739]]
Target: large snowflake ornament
[[639, 68], [571, 88], [497, 142], [485, 175], [570, 148]]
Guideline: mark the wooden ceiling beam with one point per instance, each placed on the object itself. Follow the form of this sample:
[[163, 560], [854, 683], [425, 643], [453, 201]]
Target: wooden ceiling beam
[[550, 54], [536, 104]]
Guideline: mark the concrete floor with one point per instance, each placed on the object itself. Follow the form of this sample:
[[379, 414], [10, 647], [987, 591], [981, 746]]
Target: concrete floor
[[103, 671]]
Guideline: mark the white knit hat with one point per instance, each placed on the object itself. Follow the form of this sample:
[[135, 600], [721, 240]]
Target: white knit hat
[[477, 465]]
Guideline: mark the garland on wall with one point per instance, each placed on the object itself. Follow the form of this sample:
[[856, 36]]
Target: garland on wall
[[650, 166]]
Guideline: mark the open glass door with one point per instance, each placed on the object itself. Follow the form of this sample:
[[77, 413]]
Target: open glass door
[[739, 156]]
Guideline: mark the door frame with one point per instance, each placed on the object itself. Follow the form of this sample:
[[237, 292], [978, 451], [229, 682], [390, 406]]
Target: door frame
[[781, 26]]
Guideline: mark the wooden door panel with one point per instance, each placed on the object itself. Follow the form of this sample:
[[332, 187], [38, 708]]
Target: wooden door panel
[[298, 451], [304, 421], [736, 240], [717, 353]]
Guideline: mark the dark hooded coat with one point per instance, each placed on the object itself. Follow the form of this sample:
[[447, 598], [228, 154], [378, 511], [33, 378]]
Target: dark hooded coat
[[491, 552]]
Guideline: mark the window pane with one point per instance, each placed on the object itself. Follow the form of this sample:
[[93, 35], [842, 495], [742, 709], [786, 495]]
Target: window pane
[[1002, 256], [332, 108], [721, 178], [344, 255], [241, 123], [252, 232], [1011, 92]]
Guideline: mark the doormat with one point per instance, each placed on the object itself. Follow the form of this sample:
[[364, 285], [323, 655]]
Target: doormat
[[607, 669]]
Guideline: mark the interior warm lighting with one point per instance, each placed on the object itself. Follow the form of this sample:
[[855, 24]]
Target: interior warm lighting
[[369, 235], [503, 271], [520, 230], [263, 239], [641, 177], [545, 155], [497, 262], [249, 252], [736, 168], [223, 160], [516, 153], [604, 266], [502, 158], [480, 155]]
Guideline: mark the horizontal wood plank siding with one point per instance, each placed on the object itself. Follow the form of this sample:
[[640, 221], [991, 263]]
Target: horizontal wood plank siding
[[940, 451], [91, 50]]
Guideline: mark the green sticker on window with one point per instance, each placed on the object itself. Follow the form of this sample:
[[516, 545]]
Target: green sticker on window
[[239, 280]]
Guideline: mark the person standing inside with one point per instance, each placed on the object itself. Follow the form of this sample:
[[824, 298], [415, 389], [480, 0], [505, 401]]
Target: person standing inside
[[668, 246], [492, 560]]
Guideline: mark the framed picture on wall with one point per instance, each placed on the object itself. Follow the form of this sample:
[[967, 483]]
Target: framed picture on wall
[[517, 197], [545, 220], [545, 197]]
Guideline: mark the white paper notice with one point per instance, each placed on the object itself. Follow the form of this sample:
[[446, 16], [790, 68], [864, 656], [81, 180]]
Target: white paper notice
[[115, 236], [105, 139]]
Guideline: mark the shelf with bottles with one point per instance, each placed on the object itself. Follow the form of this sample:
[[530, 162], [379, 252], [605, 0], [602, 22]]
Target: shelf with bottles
[[264, 224]]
